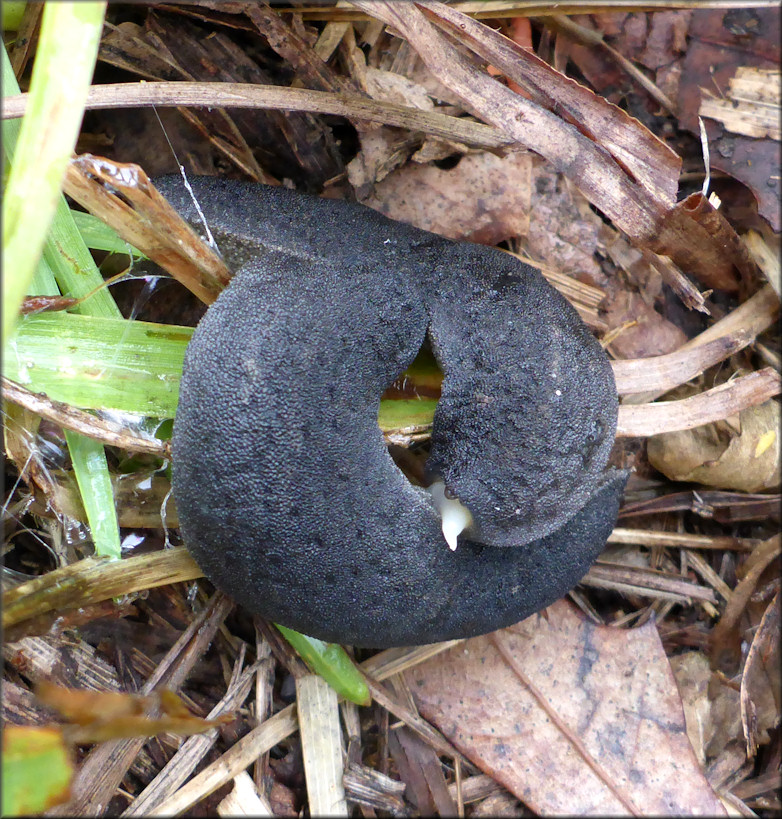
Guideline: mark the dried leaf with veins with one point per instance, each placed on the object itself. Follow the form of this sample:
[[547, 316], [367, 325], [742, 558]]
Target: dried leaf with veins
[[562, 700]]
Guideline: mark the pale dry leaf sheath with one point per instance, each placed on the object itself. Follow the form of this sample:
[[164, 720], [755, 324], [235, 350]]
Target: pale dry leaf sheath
[[751, 106], [664, 372], [145, 219], [242, 95], [244, 799], [750, 319]]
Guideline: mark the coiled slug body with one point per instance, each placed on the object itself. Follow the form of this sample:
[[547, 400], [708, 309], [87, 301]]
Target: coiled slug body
[[285, 491]]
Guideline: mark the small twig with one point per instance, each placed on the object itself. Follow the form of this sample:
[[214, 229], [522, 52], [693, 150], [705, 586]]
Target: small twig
[[646, 582], [191, 752], [757, 562], [106, 765], [230, 764], [688, 293], [396, 660], [94, 579], [765, 258], [68, 417], [426, 731], [321, 744], [595, 38]]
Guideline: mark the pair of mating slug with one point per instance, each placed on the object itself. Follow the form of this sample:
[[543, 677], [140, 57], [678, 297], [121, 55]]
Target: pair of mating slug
[[286, 494]]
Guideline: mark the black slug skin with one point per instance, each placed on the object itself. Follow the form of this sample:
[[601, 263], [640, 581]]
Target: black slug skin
[[285, 491]]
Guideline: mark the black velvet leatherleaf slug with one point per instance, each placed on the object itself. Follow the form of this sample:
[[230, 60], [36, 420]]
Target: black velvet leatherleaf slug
[[286, 494]]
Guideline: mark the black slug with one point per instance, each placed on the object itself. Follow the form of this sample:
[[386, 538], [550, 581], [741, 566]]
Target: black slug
[[286, 494]]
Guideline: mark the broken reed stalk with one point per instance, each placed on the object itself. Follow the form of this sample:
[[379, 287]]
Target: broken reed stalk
[[682, 540], [321, 741], [748, 320], [645, 582], [283, 724], [145, 219], [94, 579], [664, 372], [191, 752]]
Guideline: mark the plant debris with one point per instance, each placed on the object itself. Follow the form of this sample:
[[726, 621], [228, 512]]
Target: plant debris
[[632, 153]]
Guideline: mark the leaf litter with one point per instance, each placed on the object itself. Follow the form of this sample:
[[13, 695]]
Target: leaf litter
[[557, 699], [566, 712]]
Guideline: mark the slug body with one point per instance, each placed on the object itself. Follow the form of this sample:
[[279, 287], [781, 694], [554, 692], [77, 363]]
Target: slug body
[[286, 494]]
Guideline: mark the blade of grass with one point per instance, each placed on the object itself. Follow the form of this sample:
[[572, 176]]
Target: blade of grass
[[12, 14], [129, 366], [43, 283], [405, 412], [100, 363], [92, 475], [61, 76], [99, 236], [41, 149], [332, 663], [74, 268]]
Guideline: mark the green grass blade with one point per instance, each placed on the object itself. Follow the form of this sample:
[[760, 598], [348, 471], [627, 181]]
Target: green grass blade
[[43, 283], [11, 127], [332, 663], [66, 260], [398, 413], [92, 475], [74, 268], [100, 363], [99, 236], [12, 12], [61, 76]]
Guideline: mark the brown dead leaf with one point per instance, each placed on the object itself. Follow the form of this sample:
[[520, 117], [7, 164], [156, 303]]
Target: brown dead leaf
[[383, 150], [101, 716], [564, 231], [617, 163], [747, 459], [624, 747], [722, 41], [392, 87], [485, 198], [646, 333], [710, 706], [761, 681]]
